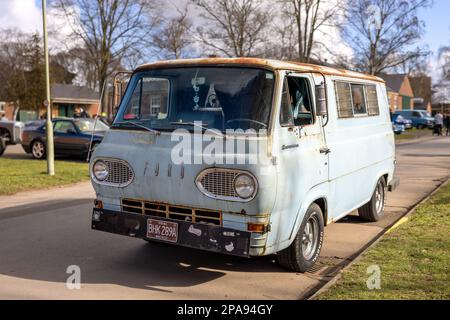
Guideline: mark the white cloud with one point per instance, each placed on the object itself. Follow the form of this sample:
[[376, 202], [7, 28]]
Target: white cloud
[[21, 14]]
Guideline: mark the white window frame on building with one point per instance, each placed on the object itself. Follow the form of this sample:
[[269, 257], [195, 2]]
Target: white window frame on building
[[155, 108], [2, 106]]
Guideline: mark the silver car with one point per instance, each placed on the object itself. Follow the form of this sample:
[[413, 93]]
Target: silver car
[[10, 133]]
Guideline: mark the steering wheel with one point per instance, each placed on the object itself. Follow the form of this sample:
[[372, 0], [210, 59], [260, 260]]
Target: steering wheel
[[246, 120]]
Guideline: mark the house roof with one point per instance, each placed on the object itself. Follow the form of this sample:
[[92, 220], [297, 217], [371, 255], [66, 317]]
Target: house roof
[[394, 81], [64, 93], [261, 63]]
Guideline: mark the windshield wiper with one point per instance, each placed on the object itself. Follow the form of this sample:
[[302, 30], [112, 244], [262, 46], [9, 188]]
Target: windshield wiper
[[194, 124], [140, 126]]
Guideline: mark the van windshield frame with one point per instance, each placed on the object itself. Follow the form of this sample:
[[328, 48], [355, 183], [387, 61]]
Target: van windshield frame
[[212, 97]]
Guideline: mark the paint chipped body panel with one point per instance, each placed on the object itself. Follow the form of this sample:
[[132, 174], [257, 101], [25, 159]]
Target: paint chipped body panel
[[293, 171]]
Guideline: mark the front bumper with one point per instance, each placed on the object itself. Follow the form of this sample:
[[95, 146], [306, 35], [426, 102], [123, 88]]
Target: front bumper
[[211, 238]]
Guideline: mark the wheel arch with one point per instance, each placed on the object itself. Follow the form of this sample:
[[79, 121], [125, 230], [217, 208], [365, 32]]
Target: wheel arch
[[317, 196]]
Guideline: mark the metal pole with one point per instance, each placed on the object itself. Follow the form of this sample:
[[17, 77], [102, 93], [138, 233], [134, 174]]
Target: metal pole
[[47, 103]]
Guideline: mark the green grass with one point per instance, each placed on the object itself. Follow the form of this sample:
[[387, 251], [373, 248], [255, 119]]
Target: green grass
[[414, 259], [414, 134], [24, 175]]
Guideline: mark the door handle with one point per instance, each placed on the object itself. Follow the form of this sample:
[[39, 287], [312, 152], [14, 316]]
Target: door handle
[[325, 150]]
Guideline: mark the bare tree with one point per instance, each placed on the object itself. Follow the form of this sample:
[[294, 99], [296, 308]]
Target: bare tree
[[175, 36], [282, 45], [234, 28], [111, 30], [444, 62], [382, 33], [308, 17]]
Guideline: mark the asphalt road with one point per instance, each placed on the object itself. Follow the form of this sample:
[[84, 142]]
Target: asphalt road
[[43, 233]]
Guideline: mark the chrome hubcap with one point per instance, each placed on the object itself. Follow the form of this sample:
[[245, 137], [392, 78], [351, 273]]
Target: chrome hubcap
[[379, 198], [310, 238], [38, 150]]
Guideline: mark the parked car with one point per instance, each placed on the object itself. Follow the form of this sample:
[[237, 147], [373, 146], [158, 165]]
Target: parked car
[[72, 137], [398, 128], [305, 147], [420, 118], [400, 120], [10, 134]]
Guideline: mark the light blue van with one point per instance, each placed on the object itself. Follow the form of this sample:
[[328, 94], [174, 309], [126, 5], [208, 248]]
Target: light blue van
[[246, 157]]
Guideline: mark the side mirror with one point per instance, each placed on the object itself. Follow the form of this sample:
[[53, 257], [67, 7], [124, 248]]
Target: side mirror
[[71, 131], [321, 100]]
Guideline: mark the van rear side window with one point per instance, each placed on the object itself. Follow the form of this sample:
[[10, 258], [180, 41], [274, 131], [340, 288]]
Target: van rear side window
[[358, 100], [344, 99], [372, 101]]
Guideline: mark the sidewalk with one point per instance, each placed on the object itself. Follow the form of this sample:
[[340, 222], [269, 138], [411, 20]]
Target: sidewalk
[[76, 191]]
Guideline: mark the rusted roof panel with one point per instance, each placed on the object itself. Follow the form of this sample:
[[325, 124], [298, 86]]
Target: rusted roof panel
[[261, 63]]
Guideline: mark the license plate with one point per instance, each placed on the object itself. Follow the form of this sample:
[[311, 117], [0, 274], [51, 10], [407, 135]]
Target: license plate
[[162, 230]]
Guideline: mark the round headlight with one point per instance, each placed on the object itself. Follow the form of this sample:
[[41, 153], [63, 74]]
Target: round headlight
[[101, 171], [245, 186]]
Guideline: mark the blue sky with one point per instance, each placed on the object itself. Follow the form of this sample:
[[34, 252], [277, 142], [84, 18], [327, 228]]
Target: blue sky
[[437, 21]]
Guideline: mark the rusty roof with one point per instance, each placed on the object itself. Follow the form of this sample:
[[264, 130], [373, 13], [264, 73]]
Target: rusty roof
[[262, 63]]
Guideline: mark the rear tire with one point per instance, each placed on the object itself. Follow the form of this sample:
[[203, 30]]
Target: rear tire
[[38, 150], [2, 146], [373, 211], [304, 252]]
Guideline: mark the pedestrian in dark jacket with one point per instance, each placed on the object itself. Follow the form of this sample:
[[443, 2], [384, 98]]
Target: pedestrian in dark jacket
[[447, 124]]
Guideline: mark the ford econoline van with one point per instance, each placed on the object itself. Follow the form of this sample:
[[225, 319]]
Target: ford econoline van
[[243, 156]]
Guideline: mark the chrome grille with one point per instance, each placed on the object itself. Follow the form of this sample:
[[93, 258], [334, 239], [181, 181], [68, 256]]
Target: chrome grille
[[167, 211], [219, 183], [120, 173]]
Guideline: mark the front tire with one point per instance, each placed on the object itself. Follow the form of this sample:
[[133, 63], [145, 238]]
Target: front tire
[[304, 252], [38, 150], [374, 210]]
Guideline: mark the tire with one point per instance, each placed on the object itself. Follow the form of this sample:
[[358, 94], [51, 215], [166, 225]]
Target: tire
[[2, 146], [304, 252], [38, 150], [373, 211], [420, 127]]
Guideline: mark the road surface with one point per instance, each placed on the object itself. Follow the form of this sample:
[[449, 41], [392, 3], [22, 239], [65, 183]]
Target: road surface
[[43, 233]]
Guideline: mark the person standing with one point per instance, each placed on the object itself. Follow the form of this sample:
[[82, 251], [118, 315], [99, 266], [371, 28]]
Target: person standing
[[438, 123], [447, 124]]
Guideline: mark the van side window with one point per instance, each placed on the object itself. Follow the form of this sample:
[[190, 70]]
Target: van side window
[[372, 101], [344, 99], [359, 100], [286, 115], [296, 103]]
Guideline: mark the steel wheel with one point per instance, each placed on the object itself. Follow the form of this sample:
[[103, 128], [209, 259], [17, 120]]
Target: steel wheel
[[374, 210], [310, 238], [379, 198], [38, 150]]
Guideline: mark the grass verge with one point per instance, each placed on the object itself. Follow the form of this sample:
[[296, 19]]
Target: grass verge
[[24, 175], [414, 134], [414, 259]]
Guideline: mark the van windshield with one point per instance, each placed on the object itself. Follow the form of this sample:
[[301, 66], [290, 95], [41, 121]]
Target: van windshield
[[208, 97]]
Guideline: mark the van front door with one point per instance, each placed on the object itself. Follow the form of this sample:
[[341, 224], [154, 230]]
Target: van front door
[[303, 164]]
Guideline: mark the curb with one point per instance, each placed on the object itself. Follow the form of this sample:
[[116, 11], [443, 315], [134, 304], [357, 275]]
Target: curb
[[403, 219]]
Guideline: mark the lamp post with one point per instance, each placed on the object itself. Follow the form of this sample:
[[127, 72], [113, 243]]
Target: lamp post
[[47, 104]]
